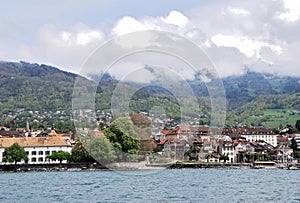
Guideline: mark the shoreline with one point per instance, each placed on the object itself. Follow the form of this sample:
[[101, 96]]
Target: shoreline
[[130, 166]]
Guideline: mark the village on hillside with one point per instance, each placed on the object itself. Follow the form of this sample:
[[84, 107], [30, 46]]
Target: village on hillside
[[257, 146]]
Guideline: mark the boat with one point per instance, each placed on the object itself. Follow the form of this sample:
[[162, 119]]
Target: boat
[[292, 168]]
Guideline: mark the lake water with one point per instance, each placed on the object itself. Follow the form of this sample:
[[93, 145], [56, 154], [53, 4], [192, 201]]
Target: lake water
[[201, 185]]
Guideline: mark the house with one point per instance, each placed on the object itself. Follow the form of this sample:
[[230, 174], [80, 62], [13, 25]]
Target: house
[[269, 138], [37, 148], [227, 148], [175, 149], [240, 151], [169, 134], [283, 141], [252, 134], [284, 154]]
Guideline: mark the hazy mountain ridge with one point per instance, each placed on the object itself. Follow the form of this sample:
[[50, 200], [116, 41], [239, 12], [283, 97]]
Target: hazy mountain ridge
[[46, 88], [34, 87]]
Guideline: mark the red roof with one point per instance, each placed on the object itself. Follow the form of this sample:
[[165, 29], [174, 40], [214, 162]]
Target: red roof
[[166, 132], [282, 139]]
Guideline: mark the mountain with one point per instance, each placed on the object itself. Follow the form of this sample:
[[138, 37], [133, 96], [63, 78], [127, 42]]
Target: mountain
[[243, 89], [45, 88], [34, 87]]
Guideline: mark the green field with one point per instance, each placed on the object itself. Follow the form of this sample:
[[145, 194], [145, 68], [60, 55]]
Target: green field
[[274, 118]]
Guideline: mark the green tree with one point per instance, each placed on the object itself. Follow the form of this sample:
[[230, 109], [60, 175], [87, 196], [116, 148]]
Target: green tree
[[294, 145], [297, 125], [224, 157], [101, 150], [122, 136], [80, 154], [60, 155], [15, 153]]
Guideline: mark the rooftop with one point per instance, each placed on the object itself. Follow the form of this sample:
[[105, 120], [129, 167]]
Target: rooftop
[[35, 141]]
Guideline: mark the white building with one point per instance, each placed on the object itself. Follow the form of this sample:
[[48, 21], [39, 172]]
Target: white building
[[37, 148], [228, 149], [269, 138]]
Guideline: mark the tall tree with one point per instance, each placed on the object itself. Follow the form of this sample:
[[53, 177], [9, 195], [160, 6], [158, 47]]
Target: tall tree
[[15, 153], [80, 154], [122, 135], [101, 150]]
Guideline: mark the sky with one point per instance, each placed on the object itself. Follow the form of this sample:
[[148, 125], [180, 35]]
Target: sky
[[257, 35]]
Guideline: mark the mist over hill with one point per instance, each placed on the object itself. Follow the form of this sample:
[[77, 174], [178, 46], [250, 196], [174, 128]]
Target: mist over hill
[[45, 88]]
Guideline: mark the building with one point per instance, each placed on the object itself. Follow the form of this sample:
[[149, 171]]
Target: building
[[228, 149], [37, 148], [269, 138], [252, 134]]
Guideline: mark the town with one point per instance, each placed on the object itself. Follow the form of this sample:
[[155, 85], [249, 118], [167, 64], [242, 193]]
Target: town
[[256, 147]]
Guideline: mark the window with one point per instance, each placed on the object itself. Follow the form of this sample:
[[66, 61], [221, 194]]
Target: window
[[33, 153], [41, 159], [33, 159], [41, 153], [27, 152], [47, 152], [53, 151]]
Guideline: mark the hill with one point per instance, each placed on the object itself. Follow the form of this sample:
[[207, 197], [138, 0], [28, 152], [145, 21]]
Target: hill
[[34, 87], [253, 98], [243, 89]]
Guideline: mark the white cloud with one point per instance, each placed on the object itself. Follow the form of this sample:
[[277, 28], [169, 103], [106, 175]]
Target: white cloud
[[88, 37], [238, 11], [292, 12], [126, 25], [176, 18], [245, 45], [175, 22], [251, 34], [260, 34], [67, 49]]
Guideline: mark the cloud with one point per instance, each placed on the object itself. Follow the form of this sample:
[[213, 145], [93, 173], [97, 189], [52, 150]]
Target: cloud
[[260, 34], [175, 22], [126, 25], [238, 11], [292, 12], [245, 45], [250, 34], [176, 18], [67, 48]]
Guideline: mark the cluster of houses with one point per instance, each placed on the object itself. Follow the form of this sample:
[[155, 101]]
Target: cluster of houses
[[199, 143], [239, 145]]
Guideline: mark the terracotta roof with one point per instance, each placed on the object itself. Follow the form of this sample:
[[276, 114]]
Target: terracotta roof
[[162, 141], [282, 139], [167, 132], [11, 134], [53, 133], [34, 142], [203, 129]]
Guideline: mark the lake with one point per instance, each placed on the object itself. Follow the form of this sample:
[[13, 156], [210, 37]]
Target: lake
[[198, 185]]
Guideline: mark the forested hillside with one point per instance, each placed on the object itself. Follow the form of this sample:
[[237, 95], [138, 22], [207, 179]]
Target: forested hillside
[[34, 87], [253, 98]]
